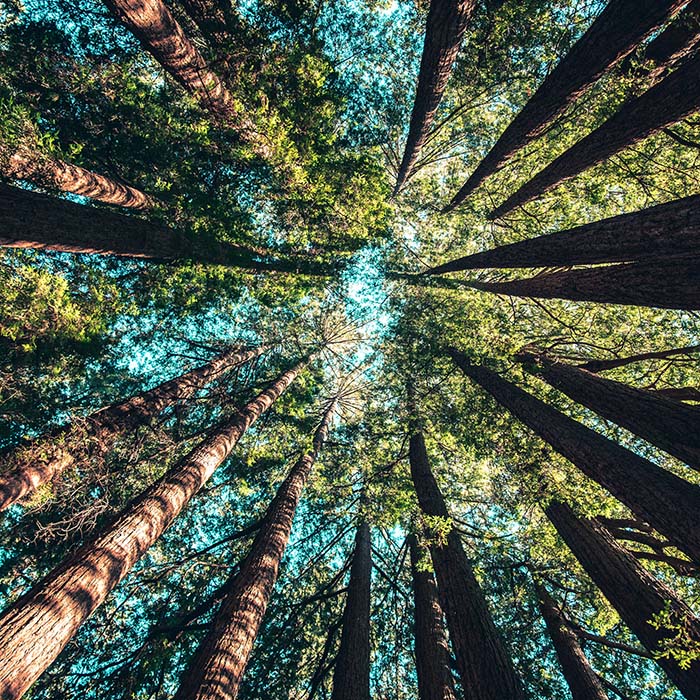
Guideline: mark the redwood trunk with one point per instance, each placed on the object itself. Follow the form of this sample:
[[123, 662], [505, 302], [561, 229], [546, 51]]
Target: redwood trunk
[[582, 680], [677, 96], [668, 503], [636, 595], [53, 610], [44, 458], [435, 680], [603, 365], [615, 33], [352, 665], [681, 393], [445, 27], [483, 663]]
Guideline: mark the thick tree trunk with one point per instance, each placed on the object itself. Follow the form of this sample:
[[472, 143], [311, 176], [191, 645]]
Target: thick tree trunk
[[217, 667], [352, 665], [681, 393], [674, 98], [44, 458], [582, 680], [671, 283], [603, 365], [668, 503], [435, 680], [35, 629], [445, 27], [668, 424], [615, 33], [666, 230], [636, 595], [483, 663]]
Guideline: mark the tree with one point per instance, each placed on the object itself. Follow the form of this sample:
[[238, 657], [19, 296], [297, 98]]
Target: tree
[[603, 365]]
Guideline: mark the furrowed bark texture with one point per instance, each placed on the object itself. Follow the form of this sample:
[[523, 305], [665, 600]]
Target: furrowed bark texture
[[666, 230], [35, 629], [677, 96], [582, 680], [44, 458], [352, 665], [668, 424], [603, 365], [619, 28], [445, 27], [218, 666], [636, 595], [483, 663], [668, 503], [435, 680]]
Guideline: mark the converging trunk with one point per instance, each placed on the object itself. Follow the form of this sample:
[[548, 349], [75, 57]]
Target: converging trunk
[[603, 365], [681, 393]]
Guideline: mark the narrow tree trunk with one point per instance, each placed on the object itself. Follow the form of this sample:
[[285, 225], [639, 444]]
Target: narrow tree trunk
[[603, 365], [636, 595], [681, 393], [483, 663], [668, 503], [668, 424], [53, 610], [672, 283], [435, 680], [615, 33], [445, 27], [666, 230], [582, 680], [44, 458], [352, 665], [674, 98], [217, 667]]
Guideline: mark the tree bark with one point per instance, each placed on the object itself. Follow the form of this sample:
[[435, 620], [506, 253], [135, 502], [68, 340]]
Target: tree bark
[[681, 393], [47, 456], [352, 665], [582, 680], [615, 33], [670, 425], [435, 680], [483, 663], [666, 230], [668, 503], [677, 96], [217, 667], [603, 365], [636, 595], [445, 27], [53, 610]]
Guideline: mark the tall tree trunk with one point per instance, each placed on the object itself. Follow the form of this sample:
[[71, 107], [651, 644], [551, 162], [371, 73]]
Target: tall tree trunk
[[445, 27], [670, 425], [47, 456], [666, 230], [636, 595], [668, 503], [33, 220], [217, 667], [681, 393], [674, 98], [582, 680], [53, 610], [615, 33], [603, 365], [671, 283], [483, 663], [435, 680], [352, 665], [211, 20]]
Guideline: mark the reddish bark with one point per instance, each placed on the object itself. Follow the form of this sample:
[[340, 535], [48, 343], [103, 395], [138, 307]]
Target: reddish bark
[[603, 365]]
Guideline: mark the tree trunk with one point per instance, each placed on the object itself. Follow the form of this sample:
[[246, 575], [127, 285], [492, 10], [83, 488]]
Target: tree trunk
[[603, 365], [45, 457], [53, 610], [666, 230], [445, 27], [668, 424], [674, 98], [615, 33], [582, 680], [483, 663], [636, 595], [211, 20], [217, 667], [435, 680], [672, 283], [681, 393], [668, 503], [352, 665]]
